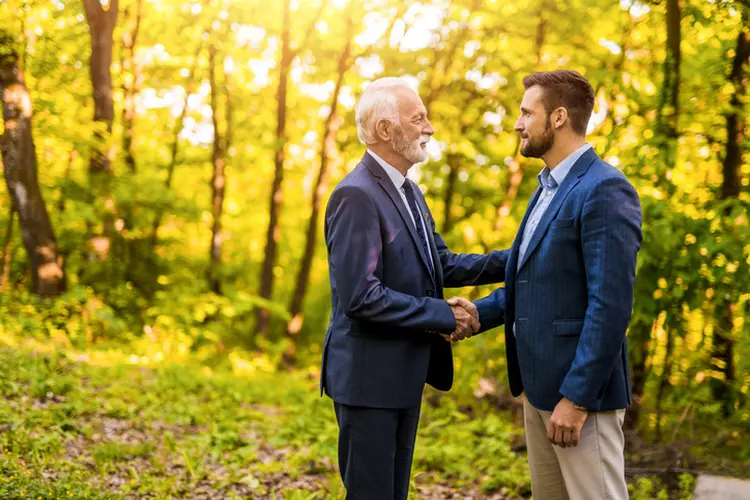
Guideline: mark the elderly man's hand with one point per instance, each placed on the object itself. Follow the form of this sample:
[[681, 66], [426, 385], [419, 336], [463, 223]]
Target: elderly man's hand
[[467, 322]]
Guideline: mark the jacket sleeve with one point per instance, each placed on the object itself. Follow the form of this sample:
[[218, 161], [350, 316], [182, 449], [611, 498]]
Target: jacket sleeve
[[354, 246], [610, 240], [462, 269], [491, 310]]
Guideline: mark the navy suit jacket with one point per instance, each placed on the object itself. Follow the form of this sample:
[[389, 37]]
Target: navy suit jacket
[[383, 342], [572, 297]]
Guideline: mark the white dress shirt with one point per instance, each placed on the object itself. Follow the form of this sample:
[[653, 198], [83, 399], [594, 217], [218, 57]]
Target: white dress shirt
[[398, 180]]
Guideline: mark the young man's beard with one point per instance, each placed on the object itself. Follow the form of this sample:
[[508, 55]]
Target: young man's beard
[[539, 146], [411, 150]]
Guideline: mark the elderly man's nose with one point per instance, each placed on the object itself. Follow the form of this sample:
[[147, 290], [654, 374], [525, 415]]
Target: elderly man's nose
[[428, 128]]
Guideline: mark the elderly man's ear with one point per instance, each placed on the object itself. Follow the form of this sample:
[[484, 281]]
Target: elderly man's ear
[[384, 130]]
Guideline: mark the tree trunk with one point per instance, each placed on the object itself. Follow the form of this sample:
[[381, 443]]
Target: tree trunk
[[514, 184], [19, 164], [131, 81], [327, 149], [178, 125], [101, 25], [5, 264], [667, 124], [666, 372], [640, 339], [669, 107], [218, 181], [723, 343], [273, 232], [516, 172]]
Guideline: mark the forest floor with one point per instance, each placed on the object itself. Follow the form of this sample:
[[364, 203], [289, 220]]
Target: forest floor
[[105, 424]]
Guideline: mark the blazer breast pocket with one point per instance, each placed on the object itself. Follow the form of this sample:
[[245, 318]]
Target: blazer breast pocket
[[563, 223], [567, 327]]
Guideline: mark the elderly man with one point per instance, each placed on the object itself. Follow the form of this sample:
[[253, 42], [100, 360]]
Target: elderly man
[[390, 327]]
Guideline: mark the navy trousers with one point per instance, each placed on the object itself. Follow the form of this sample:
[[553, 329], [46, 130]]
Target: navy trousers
[[376, 446]]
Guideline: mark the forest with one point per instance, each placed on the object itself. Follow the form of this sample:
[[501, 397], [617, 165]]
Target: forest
[[164, 287]]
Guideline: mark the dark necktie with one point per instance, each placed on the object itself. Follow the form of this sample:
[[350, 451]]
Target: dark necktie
[[411, 198]]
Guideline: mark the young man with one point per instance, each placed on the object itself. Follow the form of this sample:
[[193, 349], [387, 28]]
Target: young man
[[568, 298]]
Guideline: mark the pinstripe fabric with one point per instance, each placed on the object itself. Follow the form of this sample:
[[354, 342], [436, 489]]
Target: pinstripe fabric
[[571, 294]]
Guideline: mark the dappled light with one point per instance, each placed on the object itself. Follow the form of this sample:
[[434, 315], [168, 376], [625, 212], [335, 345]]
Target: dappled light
[[164, 280]]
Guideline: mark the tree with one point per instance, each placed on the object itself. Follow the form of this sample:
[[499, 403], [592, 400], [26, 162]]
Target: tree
[[288, 54], [20, 167], [667, 128], [131, 81], [516, 173], [218, 181], [102, 25], [723, 344], [327, 149], [5, 263]]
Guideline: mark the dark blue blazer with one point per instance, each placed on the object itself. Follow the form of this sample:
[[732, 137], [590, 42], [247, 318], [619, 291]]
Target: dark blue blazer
[[383, 342], [572, 297]]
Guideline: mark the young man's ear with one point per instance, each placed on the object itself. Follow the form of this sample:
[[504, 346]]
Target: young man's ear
[[559, 117]]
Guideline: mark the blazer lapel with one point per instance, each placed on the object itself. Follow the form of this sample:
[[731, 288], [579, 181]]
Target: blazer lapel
[[573, 178], [512, 265], [386, 183]]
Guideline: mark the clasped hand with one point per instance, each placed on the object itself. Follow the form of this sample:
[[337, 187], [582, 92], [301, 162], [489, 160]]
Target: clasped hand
[[467, 319]]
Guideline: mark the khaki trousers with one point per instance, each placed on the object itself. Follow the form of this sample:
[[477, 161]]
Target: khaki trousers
[[593, 470]]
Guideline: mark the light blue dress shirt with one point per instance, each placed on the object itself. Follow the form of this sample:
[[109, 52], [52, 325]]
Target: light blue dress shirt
[[550, 181]]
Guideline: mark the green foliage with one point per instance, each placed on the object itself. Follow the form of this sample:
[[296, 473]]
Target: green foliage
[[18, 482], [114, 452], [169, 427], [148, 302], [655, 489]]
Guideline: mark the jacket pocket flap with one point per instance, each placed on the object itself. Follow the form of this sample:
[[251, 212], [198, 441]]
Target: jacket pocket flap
[[567, 327], [563, 223]]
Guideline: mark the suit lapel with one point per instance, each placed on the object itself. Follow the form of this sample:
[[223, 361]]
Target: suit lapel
[[572, 179], [386, 183], [430, 239]]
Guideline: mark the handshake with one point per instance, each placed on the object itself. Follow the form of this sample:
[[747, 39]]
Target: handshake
[[467, 319]]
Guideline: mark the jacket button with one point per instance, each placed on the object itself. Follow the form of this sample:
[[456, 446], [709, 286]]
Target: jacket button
[[430, 293]]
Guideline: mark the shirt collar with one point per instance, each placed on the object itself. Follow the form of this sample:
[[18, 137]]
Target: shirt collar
[[396, 177], [553, 178]]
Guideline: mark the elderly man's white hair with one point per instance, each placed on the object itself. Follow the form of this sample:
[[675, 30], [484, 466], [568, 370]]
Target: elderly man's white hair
[[378, 102]]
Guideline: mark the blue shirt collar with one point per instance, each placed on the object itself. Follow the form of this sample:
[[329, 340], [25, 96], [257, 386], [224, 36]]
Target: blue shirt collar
[[555, 177]]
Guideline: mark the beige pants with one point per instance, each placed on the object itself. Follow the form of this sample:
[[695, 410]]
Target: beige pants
[[593, 470]]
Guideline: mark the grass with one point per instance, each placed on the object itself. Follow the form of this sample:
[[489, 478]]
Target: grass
[[82, 425], [108, 423]]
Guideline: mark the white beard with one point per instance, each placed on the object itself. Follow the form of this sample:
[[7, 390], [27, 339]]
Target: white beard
[[411, 150]]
